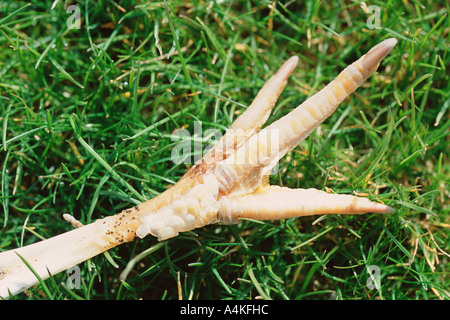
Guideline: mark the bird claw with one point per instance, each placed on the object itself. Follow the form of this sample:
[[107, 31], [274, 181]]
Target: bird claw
[[228, 184], [231, 181]]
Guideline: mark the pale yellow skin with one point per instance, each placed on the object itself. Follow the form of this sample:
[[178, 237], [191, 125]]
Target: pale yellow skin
[[228, 184]]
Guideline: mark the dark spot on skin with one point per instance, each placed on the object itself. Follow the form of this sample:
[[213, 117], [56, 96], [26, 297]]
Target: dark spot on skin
[[136, 208]]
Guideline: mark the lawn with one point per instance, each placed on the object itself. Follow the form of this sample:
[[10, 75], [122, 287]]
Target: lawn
[[92, 93]]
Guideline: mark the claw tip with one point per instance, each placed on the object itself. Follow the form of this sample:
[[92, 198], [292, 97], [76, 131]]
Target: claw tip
[[287, 68], [377, 53], [390, 43], [382, 208]]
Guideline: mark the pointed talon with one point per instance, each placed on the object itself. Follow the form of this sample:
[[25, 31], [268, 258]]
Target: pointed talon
[[373, 58], [259, 110], [228, 184], [287, 68], [251, 120], [273, 203]]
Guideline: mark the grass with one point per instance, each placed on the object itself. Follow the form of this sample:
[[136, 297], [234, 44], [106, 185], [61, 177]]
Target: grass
[[87, 119]]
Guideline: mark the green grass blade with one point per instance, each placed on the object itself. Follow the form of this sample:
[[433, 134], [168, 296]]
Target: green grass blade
[[41, 282], [96, 156]]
